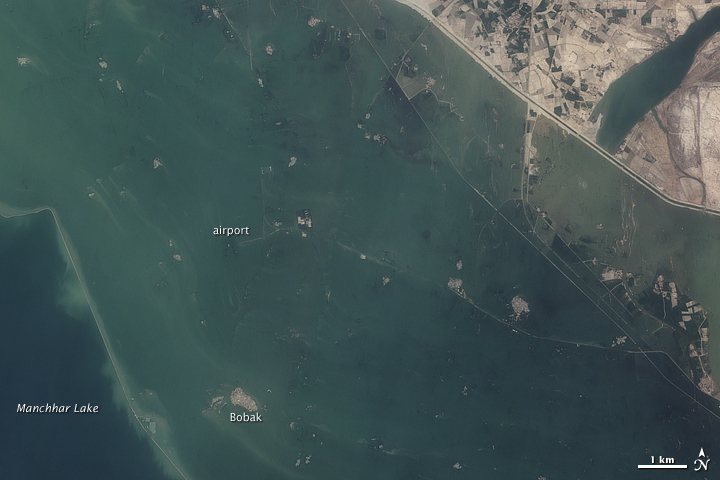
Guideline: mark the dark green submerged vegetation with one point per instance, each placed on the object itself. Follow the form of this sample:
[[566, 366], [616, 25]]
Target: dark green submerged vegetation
[[618, 238], [412, 179]]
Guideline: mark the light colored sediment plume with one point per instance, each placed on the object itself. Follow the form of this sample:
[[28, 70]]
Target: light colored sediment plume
[[242, 399]]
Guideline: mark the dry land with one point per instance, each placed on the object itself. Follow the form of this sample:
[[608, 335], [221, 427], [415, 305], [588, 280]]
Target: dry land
[[676, 145], [563, 55]]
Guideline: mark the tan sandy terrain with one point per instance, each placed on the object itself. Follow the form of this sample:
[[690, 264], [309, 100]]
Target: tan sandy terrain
[[685, 145]]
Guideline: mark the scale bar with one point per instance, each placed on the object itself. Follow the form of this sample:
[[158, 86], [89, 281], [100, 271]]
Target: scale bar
[[663, 466]]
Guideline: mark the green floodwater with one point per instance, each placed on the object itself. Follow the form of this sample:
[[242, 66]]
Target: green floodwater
[[625, 226], [645, 85], [353, 378]]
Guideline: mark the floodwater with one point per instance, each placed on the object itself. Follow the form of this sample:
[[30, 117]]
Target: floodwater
[[145, 126]]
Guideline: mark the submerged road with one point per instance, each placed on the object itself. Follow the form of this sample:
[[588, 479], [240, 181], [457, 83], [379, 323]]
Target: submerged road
[[422, 9]]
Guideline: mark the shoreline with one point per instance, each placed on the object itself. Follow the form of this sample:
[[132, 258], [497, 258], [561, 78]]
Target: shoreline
[[6, 211], [420, 7]]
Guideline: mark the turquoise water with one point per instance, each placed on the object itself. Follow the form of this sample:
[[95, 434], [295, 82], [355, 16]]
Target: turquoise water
[[645, 85], [353, 378]]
